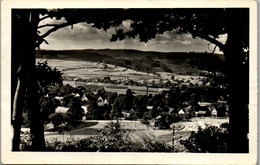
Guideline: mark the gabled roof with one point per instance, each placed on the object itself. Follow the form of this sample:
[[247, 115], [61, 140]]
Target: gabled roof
[[202, 104], [60, 109], [149, 107], [214, 112], [201, 112], [181, 112], [100, 99], [85, 109], [84, 98]]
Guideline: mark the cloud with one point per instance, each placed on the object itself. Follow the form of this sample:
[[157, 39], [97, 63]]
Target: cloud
[[84, 36]]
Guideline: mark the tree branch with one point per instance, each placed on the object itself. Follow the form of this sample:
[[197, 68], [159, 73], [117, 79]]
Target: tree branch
[[213, 51], [41, 38], [47, 25], [43, 18], [213, 41]]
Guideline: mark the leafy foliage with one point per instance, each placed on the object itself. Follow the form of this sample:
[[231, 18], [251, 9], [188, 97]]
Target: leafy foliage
[[47, 76], [57, 119], [211, 139], [48, 106], [111, 139]]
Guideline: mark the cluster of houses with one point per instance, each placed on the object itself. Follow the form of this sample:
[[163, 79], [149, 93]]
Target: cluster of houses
[[203, 109], [61, 109]]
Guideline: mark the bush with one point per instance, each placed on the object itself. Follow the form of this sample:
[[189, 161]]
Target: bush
[[25, 141], [211, 139], [111, 139]]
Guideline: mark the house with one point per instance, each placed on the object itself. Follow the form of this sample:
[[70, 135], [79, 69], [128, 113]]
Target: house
[[214, 112], [204, 109], [204, 104], [100, 101], [126, 115], [181, 112], [77, 95], [171, 110], [60, 109], [84, 98], [85, 108], [106, 102], [60, 98], [201, 113]]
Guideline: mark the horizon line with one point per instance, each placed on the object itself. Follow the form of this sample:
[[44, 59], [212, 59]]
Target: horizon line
[[128, 49]]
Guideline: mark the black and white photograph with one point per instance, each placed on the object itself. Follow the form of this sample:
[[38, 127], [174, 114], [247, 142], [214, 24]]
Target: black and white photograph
[[110, 82]]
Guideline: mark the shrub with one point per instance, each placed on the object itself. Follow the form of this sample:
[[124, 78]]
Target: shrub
[[25, 141], [111, 139], [211, 139]]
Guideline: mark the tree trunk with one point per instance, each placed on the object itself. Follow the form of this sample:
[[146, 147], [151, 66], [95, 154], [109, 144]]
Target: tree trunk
[[238, 80], [37, 125], [19, 23], [17, 112], [24, 28]]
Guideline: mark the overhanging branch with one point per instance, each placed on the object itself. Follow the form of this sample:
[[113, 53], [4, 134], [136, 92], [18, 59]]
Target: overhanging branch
[[43, 18], [55, 28], [213, 41], [47, 25]]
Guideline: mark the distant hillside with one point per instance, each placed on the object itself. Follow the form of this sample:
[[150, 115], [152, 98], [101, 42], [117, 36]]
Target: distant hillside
[[131, 58], [130, 53]]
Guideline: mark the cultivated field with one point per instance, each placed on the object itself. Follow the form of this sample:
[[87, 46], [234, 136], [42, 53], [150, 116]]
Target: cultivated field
[[95, 70]]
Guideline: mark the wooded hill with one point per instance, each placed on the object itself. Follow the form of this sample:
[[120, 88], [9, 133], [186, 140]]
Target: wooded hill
[[125, 57]]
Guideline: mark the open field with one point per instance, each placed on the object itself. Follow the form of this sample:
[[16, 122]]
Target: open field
[[95, 70], [119, 88]]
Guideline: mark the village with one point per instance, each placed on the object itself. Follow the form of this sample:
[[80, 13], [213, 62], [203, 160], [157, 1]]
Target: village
[[155, 105]]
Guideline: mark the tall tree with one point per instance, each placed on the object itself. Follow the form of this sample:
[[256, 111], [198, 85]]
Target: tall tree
[[207, 24]]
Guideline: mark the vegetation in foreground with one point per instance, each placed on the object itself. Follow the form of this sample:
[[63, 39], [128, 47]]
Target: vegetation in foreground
[[114, 139]]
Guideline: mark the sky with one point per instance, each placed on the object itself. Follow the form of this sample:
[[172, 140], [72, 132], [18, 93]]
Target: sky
[[84, 36]]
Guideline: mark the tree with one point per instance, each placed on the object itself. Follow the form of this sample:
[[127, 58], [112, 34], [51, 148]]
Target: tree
[[66, 90], [207, 24], [57, 119], [95, 112], [48, 106], [117, 107], [75, 113], [211, 139], [129, 100], [47, 77]]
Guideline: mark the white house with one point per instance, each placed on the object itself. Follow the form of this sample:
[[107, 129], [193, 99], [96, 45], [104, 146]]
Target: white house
[[85, 108], [214, 113], [84, 98], [100, 101], [203, 104], [106, 102], [181, 112], [60, 98], [201, 113], [77, 95], [60, 109]]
